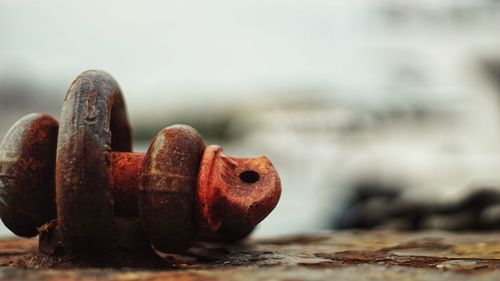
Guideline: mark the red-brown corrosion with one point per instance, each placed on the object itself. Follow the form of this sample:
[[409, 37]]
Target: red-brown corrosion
[[78, 185], [124, 170], [234, 194], [167, 188], [27, 159], [235, 191], [93, 123]]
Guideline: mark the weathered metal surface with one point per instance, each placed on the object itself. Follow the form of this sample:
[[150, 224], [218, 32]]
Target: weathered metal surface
[[236, 192], [27, 159], [103, 192], [167, 188], [368, 255], [125, 169], [93, 122]]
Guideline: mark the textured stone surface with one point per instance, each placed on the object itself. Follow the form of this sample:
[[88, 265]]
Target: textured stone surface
[[367, 255]]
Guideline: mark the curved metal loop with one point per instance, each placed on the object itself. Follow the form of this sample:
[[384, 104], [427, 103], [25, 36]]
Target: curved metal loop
[[93, 122]]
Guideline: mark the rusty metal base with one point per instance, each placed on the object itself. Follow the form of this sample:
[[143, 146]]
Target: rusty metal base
[[363, 255]]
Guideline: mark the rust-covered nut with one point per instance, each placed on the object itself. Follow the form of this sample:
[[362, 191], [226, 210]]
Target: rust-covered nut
[[167, 189], [27, 157]]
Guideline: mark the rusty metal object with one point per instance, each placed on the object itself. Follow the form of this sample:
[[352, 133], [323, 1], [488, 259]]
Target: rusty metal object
[[27, 159], [244, 200], [125, 169], [101, 187], [93, 122], [167, 188]]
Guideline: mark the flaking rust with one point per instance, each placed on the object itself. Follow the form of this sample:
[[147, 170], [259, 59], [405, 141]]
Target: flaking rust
[[110, 200]]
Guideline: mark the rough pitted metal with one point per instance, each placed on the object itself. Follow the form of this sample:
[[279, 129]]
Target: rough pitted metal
[[27, 159], [93, 121], [125, 169], [101, 189], [227, 198], [167, 189]]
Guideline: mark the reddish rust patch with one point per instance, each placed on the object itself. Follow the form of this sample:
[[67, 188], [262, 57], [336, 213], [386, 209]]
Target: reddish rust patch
[[27, 157], [235, 191], [124, 170], [250, 203]]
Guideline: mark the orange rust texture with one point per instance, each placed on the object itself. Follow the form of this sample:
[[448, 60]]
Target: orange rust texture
[[222, 195], [225, 197], [124, 170]]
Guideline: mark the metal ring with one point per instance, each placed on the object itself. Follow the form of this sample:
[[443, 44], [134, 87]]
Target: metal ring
[[93, 122], [167, 189]]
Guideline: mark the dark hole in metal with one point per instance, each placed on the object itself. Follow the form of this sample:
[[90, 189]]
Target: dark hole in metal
[[249, 176]]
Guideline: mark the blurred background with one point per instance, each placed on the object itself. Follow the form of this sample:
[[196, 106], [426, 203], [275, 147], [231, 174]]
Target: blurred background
[[375, 113]]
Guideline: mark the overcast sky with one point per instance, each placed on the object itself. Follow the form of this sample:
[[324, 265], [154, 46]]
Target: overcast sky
[[177, 47], [189, 49]]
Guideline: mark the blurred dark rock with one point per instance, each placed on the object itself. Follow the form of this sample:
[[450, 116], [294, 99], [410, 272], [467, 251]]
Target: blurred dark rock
[[384, 207], [491, 216]]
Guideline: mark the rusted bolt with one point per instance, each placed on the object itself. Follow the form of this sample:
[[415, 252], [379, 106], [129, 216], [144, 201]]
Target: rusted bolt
[[78, 177]]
